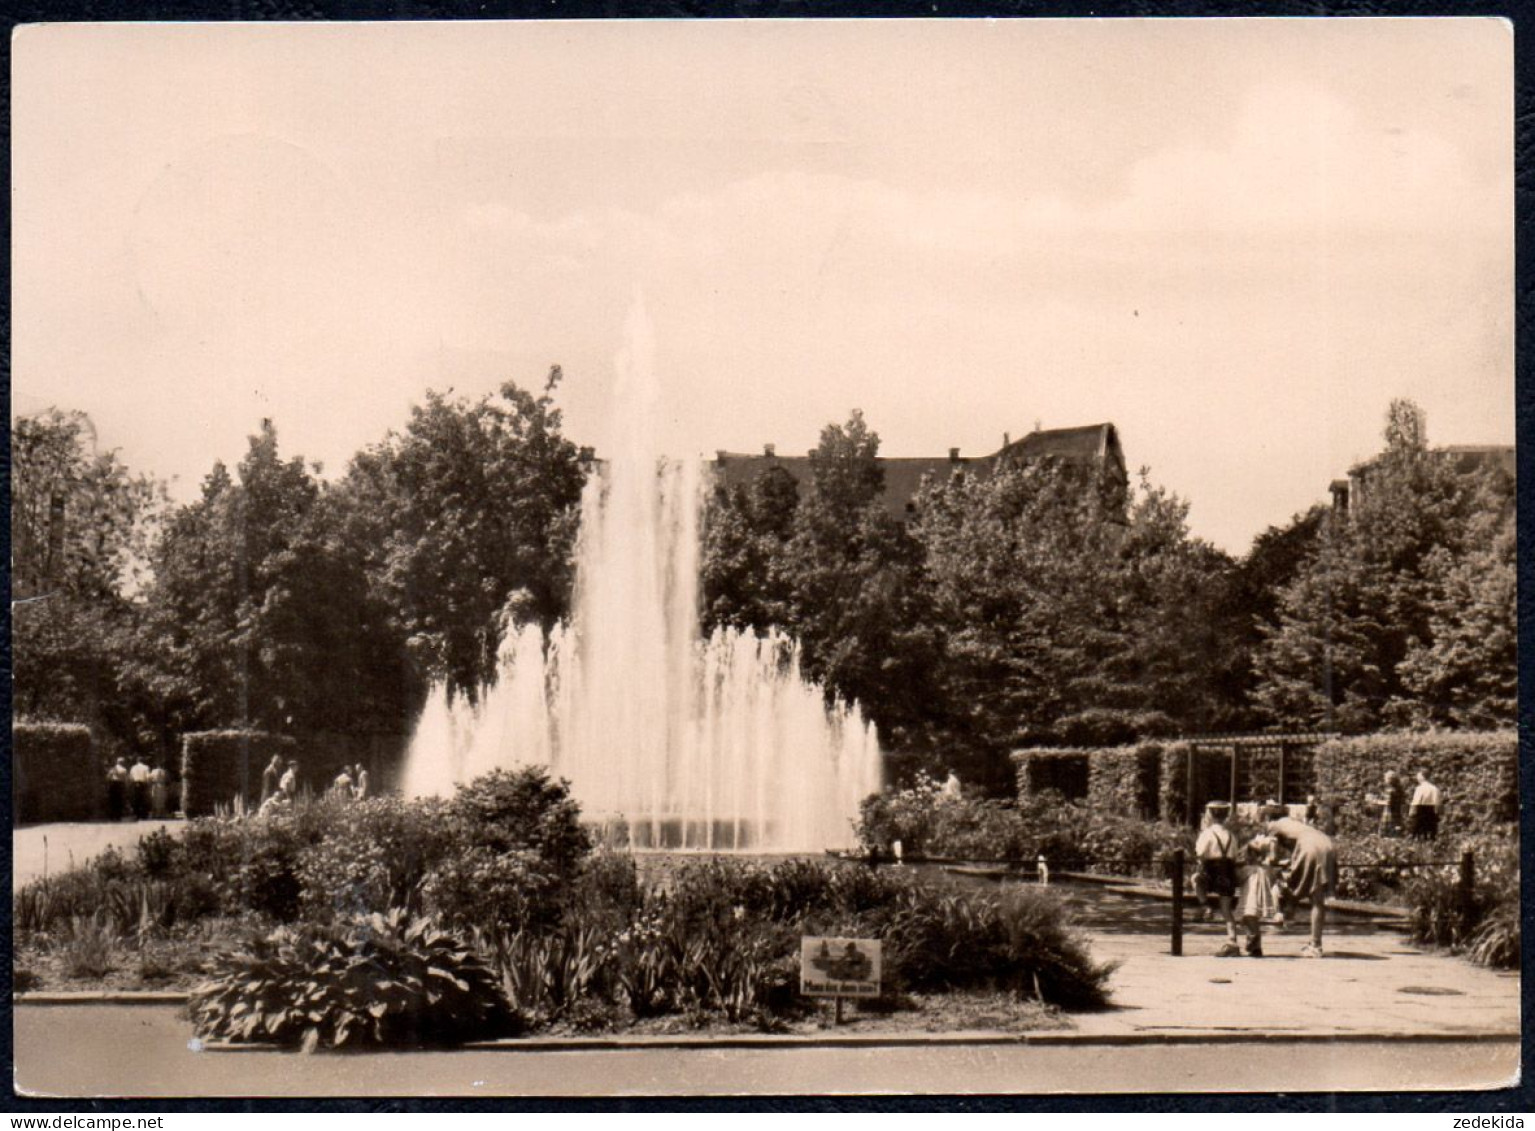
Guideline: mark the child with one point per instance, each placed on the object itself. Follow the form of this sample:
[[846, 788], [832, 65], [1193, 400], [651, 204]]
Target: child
[[1217, 869], [1255, 899]]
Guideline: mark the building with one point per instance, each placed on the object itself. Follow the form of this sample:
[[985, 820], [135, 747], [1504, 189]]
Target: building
[[1094, 446], [1465, 458]]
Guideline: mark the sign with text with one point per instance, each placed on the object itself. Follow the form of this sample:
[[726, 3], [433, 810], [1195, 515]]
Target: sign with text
[[839, 967]]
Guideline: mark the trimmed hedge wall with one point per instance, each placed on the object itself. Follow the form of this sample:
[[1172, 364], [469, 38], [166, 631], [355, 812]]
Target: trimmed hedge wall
[[219, 765], [1476, 772], [1146, 780], [55, 774]]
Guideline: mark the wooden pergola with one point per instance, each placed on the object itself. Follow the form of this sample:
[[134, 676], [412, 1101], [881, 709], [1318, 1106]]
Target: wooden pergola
[[1282, 741]]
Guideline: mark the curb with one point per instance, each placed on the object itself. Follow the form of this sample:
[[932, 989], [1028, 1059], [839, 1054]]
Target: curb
[[1062, 1038], [977, 1038], [101, 997]]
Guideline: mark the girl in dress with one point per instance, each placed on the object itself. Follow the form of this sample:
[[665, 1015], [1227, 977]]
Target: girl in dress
[[1255, 895]]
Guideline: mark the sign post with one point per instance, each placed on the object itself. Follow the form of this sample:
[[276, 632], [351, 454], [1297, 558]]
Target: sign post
[[839, 968]]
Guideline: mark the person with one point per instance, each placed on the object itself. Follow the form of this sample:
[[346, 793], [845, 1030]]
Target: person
[[288, 784], [951, 788], [1392, 802], [1423, 812], [138, 784], [342, 786], [1313, 810], [270, 777], [1312, 875], [360, 789], [278, 802], [1217, 875], [1256, 900], [117, 789], [159, 791]]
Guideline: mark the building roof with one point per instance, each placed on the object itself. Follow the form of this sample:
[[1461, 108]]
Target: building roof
[[904, 474]]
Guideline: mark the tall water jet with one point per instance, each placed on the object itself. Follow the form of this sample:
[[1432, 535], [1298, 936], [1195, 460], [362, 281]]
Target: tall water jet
[[716, 744]]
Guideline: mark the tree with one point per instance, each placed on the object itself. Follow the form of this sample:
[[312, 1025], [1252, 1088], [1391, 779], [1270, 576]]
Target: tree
[[1065, 620], [471, 515], [80, 525], [1357, 641], [261, 614]]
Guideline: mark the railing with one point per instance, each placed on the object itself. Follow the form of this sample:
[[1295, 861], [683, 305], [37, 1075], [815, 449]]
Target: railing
[[1466, 886]]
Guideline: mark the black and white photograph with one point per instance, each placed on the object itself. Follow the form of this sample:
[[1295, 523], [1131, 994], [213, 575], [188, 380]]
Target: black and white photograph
[[663, 558]]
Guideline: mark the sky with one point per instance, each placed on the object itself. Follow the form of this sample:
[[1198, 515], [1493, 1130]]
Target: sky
[[1236, 240]]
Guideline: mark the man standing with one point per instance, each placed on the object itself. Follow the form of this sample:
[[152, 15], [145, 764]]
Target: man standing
[[270, 777], [288, 786], [1313, 872], [117, 789], [138, 780], [1423, 812]]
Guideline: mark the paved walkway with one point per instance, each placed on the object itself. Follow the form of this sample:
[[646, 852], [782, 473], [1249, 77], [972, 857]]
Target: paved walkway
[[1367, 984]]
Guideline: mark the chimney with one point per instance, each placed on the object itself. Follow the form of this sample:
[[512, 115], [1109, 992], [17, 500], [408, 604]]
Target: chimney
[[953, 455], [767, 450], [588, 454], [1006, 439], [719, 455]]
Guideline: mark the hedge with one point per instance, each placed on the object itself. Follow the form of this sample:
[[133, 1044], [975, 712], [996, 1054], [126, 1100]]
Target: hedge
[[1477, 773], [1148, 779], [55, 773], [219, 765]]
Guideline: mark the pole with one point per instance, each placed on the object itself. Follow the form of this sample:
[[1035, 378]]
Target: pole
[[1177, 903], [838, 1000], [1467, 882]]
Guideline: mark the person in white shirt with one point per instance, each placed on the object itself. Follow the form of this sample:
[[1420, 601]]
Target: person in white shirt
[[138, 785], [1423, 810], [1216, 851], [288, 786]]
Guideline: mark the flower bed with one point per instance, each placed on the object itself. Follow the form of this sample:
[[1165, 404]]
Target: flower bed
[[328, 921]]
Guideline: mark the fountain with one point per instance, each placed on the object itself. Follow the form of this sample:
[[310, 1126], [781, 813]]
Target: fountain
[[714, 744]]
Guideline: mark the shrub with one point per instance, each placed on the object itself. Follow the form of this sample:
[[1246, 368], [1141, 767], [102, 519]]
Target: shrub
[[510, 891], [385, 980], [1482, 923], [507, 811], [371, 855], [88, 947], [218, 766], [57, 777], [1019, 940]]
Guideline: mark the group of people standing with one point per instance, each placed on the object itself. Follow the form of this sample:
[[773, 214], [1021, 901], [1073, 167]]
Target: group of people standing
[[279, 784], [1286, 864], [1419, 817], [138, 792]]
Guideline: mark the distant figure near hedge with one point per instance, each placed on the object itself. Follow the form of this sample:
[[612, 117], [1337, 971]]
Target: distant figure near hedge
[[271, 777], [117, 789], [1423, 814], [360, 789], [1393, 803], [159, 791], [138, 783], [288, 785], [342, 786]]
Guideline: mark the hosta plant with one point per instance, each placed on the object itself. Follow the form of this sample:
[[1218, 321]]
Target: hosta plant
[[376, 980]]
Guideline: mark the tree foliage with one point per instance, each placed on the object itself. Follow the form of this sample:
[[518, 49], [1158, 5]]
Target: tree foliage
[[470, 516], [81, 523], [1403, 613]]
